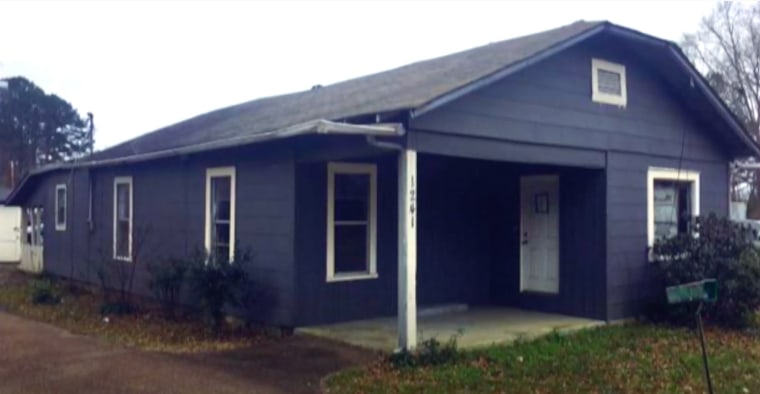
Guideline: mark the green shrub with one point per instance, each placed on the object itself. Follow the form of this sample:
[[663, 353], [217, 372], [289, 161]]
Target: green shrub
[[429, 353], [720, 249], [166, 281], [43, 292], [216, 283]]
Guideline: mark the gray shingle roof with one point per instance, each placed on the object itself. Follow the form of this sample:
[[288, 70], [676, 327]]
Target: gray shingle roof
[[406, 87]]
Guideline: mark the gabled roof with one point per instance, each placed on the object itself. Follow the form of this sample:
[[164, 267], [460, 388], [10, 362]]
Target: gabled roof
[[415, 88], [404, 88]]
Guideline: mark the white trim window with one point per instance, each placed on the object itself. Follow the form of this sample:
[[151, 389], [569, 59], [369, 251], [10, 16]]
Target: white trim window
[[672, 199], [608, 83], [220, 213], [61, 207], [123, 214], [351, 221]]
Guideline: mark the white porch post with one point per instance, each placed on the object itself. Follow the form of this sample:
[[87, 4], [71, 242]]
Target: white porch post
[[407, 250]]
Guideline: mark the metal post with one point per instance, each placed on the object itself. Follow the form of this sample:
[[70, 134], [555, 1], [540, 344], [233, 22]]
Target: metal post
[[407, 250], [704, 349]]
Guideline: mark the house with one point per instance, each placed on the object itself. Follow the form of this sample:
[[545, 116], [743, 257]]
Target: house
[[533, 172]]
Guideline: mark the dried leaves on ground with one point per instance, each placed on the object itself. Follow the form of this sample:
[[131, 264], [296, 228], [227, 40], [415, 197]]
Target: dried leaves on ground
[[633, 358], [79, 312]]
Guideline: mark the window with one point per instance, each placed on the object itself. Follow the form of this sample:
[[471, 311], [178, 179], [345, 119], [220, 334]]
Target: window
[[220, 213], [608, 84], [122, 218], [351, 221], [673, 198], [60, 207]]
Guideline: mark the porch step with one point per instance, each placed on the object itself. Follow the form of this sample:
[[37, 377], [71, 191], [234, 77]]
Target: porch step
[[435, 310]]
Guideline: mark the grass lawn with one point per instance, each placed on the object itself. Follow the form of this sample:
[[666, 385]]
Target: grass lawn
[[633, 358], [146, 329]]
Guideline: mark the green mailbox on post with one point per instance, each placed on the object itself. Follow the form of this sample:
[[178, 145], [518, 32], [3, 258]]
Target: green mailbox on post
[[700, 291]]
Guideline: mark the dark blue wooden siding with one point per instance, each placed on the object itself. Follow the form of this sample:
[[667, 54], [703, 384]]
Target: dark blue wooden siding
[[548, 110], [627, 267], [169, 198], [320, 301], [467, 240]]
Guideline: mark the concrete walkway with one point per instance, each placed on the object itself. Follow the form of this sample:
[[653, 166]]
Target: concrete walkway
[[477, 327], [39, 358]]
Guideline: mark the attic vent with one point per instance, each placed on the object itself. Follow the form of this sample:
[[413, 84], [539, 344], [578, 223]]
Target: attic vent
[[608, 85]]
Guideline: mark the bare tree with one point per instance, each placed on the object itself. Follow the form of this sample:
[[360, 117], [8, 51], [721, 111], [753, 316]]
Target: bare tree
[[726, 49]]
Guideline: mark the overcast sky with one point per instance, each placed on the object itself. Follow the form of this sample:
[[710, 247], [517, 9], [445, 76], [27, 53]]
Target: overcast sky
[[142, 65]]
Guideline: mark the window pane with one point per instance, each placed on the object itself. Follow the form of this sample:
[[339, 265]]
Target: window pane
[[122, 238], [122, 201], [672, 208], [352, 197], [220, 194], [221, 215], [61, 219], [684, 206], [608, 82], [351, 254], [221, 233], [61, 206]]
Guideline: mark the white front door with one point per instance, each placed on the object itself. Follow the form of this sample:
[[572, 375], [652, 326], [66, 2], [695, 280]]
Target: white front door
[[10, 234], [539, 233]]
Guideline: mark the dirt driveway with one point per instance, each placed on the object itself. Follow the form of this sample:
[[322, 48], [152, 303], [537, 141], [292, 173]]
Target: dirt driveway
[[39, 358]]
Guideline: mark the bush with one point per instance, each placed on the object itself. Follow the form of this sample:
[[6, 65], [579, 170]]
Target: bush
[[720, 249], [166, 281], [117, 308], [430, 352], [217, 283], [43, 292]]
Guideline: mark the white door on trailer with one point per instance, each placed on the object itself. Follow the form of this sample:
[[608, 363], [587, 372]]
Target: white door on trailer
[[539, 232], [10, 234]]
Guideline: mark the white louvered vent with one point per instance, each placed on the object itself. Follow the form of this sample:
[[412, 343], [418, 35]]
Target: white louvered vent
[[608, 83]]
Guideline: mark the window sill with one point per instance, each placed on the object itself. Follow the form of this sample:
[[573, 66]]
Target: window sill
[[609, 99], [351, 277], [122, 258], [60, 228]]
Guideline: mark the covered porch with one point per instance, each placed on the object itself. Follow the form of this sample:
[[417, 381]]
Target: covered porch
[[473, 327], [515, 246]]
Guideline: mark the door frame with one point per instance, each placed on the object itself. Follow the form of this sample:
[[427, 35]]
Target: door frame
[[523, 290]]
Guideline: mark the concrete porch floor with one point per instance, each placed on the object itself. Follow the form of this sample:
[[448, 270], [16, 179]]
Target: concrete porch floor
[[477, 326]]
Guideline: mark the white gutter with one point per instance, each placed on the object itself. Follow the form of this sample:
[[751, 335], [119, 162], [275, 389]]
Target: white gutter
[[312, 127]]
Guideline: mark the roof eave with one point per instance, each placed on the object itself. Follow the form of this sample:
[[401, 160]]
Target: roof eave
[[318, 127], [506, 71], [725, 113]]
